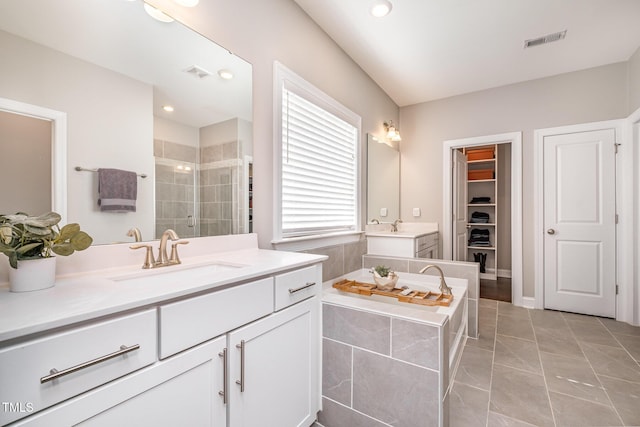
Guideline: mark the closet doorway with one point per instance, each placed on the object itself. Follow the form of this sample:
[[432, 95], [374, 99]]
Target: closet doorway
[[483, 210]]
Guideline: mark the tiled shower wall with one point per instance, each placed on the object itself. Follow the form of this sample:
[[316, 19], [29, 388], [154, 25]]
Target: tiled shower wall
[[175, 192]]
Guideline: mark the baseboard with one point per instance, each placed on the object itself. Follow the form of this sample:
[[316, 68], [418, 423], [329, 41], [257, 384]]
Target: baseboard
[[528, 302], [504, 273]]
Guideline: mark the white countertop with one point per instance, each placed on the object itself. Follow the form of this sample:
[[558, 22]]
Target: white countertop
[[93, 294], [400, 234], [408, 230], [435, 315]]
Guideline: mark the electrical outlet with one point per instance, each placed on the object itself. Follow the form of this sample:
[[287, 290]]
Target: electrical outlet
[[416, 212], [384, 212]]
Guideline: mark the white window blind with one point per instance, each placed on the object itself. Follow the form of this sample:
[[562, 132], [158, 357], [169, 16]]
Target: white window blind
[[319, 169]]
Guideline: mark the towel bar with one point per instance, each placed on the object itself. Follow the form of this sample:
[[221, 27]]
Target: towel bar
[[81, 169]]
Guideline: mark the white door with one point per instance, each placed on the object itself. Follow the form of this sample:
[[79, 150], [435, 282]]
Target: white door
[[460, 210], [579, 222]]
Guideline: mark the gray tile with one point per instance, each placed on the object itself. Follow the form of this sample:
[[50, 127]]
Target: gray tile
[[625, 397], [353, 255], [475, 368], [520, 395], [470, 406], [335, 415], [334, 266], [157, 148], [517, 353], [548, 319], [631, 344], [488, 303], [487, 316], [620, 328], [211, 153], [499, 420], [508, 309], [592, 332], [336, 371], [612, 362], [180, 152], [164, 173], [384, 395], [580, 318], [486, 337], [557, 341], [358, 328], [395, 264], [230, 150], [472, 318], [515, 326], [572, 376], [415, 343], [571, 411]]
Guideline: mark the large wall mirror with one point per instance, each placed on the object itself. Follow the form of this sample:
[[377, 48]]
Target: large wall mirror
[[383, 180], [102, 74]]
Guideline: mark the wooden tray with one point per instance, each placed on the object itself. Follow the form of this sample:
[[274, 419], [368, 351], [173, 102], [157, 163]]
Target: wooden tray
[[415, 297]]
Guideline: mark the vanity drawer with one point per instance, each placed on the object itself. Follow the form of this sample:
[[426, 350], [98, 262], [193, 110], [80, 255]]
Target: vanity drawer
[[84, 357], [184, 324], [297, 285], [423, 242]]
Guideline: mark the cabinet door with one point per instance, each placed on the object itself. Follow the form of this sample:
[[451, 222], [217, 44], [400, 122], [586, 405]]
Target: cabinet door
[[274, 369], [183, 390]]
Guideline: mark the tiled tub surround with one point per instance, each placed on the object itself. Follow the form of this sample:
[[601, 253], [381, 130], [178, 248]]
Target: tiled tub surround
[[463, 270], [388, 363]]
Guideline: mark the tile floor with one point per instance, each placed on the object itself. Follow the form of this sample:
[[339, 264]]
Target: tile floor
[[547, 368]]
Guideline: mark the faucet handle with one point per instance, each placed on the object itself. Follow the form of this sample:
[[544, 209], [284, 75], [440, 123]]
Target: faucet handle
[[149, 260], [174, 258]]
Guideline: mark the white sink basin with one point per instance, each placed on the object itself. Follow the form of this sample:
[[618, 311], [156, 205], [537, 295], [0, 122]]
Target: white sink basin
[[200, 273]]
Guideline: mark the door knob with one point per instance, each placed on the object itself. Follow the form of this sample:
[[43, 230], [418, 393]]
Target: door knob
[[551, 231]]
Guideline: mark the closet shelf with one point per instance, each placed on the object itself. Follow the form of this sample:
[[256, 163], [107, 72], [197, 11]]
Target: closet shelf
[[471, 181], [482, 204], [482, 248], [481, 224]]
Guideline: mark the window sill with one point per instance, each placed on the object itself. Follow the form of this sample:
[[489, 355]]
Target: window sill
[[304, 243]]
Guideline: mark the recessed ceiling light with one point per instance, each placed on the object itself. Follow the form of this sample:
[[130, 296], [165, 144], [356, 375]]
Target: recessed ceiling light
[[225, 74], [381, 8], [187, 3], [168, 108], [157, 14]]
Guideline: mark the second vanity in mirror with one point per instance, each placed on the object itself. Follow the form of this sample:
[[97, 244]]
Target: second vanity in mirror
[[104, 98]]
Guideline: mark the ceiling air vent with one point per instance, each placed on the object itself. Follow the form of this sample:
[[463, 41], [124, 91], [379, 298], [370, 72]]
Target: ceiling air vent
[[198, 72], [545, 39]]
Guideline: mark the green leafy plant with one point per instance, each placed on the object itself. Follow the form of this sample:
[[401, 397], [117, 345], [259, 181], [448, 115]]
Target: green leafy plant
[[382, 270], [25, 237]]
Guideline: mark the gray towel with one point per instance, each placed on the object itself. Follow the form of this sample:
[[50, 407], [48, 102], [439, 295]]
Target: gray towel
[[117, 190]]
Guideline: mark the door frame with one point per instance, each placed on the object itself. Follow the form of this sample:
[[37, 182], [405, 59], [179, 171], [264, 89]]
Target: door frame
[[515, 139], [624, 209], [58, 120]]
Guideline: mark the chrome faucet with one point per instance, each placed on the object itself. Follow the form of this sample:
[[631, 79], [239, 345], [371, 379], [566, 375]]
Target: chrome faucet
[[163, 259], [444, 288], [135, 233], [375, 221], [394, 225]]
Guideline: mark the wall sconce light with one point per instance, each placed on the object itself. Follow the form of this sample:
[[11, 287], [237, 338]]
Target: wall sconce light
[[393, 133]]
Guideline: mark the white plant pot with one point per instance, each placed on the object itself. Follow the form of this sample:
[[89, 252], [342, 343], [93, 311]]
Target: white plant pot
[[33, 275]]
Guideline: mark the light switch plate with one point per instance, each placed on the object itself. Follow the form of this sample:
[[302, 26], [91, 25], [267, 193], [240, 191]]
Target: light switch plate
[[416, 211], [384, 211]]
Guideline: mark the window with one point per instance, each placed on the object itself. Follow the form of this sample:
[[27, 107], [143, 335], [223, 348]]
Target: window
[[319, 162]]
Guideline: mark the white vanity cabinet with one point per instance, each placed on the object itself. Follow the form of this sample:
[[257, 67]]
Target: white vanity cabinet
[[274, 367], [241, 356], [405, 245]]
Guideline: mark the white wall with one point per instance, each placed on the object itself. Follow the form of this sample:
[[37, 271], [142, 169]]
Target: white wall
[[97, 114], [634, 81], [579, 97], [168, 130], [262, 32]]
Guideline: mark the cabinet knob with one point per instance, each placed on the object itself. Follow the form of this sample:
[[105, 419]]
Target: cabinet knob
[[551, 231]]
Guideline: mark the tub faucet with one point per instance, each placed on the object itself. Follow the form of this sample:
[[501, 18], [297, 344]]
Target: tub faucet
[[394, 225], [444, 288]]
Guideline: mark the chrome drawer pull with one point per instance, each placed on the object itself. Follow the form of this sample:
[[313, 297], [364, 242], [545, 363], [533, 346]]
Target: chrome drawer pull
[[308, 285], [223, 393], [55, 374], [240, 382]]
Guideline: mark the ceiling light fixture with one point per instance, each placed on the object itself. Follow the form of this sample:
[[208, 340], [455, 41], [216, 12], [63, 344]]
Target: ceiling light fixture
[[157, 14], [380, 8], [393, 133], [167, 108], [225, 74]]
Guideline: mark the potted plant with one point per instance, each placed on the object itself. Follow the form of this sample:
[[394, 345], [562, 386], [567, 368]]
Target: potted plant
[[30, 242], [385, 278]]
